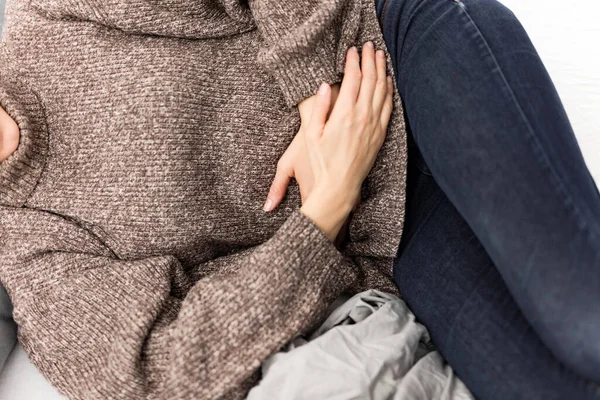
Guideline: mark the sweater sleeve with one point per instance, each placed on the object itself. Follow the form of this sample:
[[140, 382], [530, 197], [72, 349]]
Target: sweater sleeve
[[306, 41], [305, 44], [101, 327], [21, 171]]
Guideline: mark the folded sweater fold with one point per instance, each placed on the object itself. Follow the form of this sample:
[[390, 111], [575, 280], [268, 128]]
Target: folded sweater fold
[[133, 242]]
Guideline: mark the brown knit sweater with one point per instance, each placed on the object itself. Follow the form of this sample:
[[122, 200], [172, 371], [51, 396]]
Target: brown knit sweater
[[133, 243]]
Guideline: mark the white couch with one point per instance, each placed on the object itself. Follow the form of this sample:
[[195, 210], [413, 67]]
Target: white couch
[[566, 34]]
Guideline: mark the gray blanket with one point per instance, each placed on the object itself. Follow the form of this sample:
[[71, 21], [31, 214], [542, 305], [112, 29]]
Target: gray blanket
[[370, 347], [2, 2], [8, 327]]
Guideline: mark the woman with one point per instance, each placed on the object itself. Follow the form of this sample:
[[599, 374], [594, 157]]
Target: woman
[[417, 275], [500, 256], [135, 249]]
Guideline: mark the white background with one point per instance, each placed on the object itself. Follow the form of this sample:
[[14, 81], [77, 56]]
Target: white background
[[567, 36]]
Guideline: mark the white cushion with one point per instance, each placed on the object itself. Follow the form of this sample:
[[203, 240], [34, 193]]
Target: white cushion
[[21, 380]]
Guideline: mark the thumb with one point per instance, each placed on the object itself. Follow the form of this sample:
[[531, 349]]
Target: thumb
[[279, 186], [320, 110]]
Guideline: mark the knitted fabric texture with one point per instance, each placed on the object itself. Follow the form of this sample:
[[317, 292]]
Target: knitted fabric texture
[[133, 243]]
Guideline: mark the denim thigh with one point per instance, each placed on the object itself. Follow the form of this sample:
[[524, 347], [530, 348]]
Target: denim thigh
[[490, 126]]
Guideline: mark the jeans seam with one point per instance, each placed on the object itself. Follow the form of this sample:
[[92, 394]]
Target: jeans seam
[[422, 37], [542, 155]]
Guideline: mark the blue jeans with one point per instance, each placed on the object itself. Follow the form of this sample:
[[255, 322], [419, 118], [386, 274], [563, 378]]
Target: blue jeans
[[500, 258]]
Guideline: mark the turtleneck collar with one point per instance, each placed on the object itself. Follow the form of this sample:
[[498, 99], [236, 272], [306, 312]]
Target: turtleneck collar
[[191, 19]]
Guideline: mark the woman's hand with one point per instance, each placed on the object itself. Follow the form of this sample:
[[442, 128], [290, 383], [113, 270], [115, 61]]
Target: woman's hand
[[9, 135], [341, 150], [295, 163]]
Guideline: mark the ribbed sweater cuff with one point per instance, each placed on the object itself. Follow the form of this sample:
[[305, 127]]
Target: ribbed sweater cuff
[[299, 76], [20, 172], [309, 238], [321, 271], [281, 289]]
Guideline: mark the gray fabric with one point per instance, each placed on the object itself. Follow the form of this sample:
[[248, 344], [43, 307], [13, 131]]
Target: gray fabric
[[2, 2], [8, 328], [370, 347]]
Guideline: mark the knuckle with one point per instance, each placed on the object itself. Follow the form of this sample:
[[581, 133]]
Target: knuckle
[[362, 119], [282, 164], [347, 123], [381, 86], [370, 75], [389, 100], [388, 109], [275, 191], [311, 134]]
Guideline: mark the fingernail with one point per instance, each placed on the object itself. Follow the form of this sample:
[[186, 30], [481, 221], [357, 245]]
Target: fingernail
[[323, 89], [354, 49], [268, 205], [380, 53], [369, 44]]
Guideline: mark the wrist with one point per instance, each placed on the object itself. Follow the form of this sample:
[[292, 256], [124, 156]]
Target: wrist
[[328, 210]]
